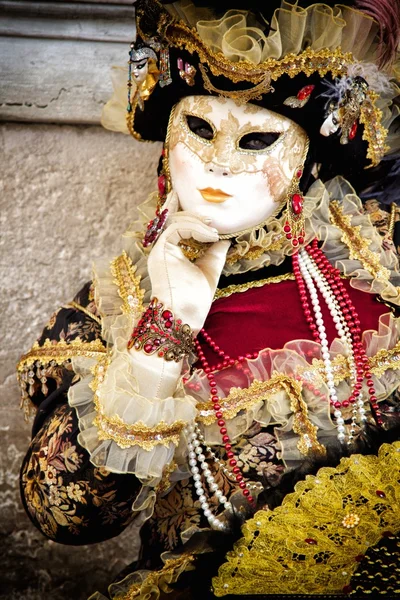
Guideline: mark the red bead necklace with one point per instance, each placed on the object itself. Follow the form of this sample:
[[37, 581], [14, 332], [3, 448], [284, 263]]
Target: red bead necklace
[[332, 276], [226, 361]]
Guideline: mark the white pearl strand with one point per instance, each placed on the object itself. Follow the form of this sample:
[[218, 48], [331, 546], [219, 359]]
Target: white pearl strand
[[196, 457], [310, 272], [358, 409]]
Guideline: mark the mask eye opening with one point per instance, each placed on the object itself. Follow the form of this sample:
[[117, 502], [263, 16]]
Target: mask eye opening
[[258, 141], [200, 128]]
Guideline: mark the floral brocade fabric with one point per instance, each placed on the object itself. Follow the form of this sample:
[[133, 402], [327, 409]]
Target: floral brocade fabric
[[67, 498]]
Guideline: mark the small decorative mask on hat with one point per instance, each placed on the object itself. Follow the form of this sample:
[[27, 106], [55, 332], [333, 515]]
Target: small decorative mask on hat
[[343, 112], [143, 71]]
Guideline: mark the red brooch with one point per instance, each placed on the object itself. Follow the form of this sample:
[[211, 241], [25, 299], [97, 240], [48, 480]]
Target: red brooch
[[301, 99]]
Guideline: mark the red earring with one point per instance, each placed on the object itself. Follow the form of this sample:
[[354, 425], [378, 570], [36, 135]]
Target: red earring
[[294, 224]]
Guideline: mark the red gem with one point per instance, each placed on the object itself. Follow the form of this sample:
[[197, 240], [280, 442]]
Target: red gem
[[286, 229], [168, 324], [148, 347], [353, 131], [380, 494], [297, 203], [299, 173], [360, 557], [289, 236], [347, 589], [311, 541], [301, 239], [162, 185], [305, 92], [246, 493]]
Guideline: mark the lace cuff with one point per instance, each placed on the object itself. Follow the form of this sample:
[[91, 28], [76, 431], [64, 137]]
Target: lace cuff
[[122, 430]]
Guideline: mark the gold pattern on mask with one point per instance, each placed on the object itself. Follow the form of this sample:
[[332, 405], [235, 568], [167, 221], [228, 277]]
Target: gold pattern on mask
[[224, 150]]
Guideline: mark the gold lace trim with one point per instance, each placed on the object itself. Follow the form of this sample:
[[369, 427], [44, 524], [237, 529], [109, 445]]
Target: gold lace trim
[[159, 580], [309, 61], [128, 283], [37, 365], [392, 220], [312, 543], [261, 391], [59, 352], [240, 399], [123, 434], [356, 243], [87, 312], [243, 287], [374, 132]]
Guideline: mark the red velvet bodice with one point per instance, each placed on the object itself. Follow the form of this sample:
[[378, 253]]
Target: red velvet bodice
[[271, 316]]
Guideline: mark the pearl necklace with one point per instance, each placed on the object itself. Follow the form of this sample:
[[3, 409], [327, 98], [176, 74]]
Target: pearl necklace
[[311, 265], [196, 457], [311, 275]]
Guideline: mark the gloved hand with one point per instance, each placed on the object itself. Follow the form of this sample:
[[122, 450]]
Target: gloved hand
[[184, 287]]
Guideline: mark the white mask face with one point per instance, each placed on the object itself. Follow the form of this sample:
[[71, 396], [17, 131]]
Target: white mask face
[[139, 70], [232, 164]]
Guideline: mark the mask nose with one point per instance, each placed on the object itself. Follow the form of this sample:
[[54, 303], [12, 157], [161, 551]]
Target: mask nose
[[217, 169]]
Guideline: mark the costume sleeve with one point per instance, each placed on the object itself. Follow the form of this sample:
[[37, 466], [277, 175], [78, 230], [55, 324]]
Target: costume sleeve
[[67, 498], [122, 428]]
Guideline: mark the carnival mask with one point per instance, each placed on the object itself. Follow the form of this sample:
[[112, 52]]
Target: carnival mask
[[232, 164]]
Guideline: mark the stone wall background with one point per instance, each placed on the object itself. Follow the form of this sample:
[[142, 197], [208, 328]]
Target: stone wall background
[[67, 193]]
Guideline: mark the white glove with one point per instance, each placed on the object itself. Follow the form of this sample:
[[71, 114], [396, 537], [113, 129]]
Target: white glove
[[184, 287]]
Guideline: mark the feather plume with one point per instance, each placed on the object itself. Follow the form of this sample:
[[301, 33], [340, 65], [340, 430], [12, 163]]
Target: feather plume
[[387, 15]]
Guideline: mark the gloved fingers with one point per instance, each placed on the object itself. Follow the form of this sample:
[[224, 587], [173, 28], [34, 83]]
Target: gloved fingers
[[212, 262], [184, 227], [171, 204]]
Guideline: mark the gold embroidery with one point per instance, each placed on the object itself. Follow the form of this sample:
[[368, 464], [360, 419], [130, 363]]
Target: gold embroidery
[[193, 249], [308, 442], [378, 364], [358, 246], [41, 362], [128, 284], [59, 352], [245, 398], [243, 287], [125, 435], [165, 483], [392, 220], [384, 360], [156, 581], [311, 544], [374, 132], [308, 62], [261, 391], [241, 96], [256, 251], [85, 311]]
